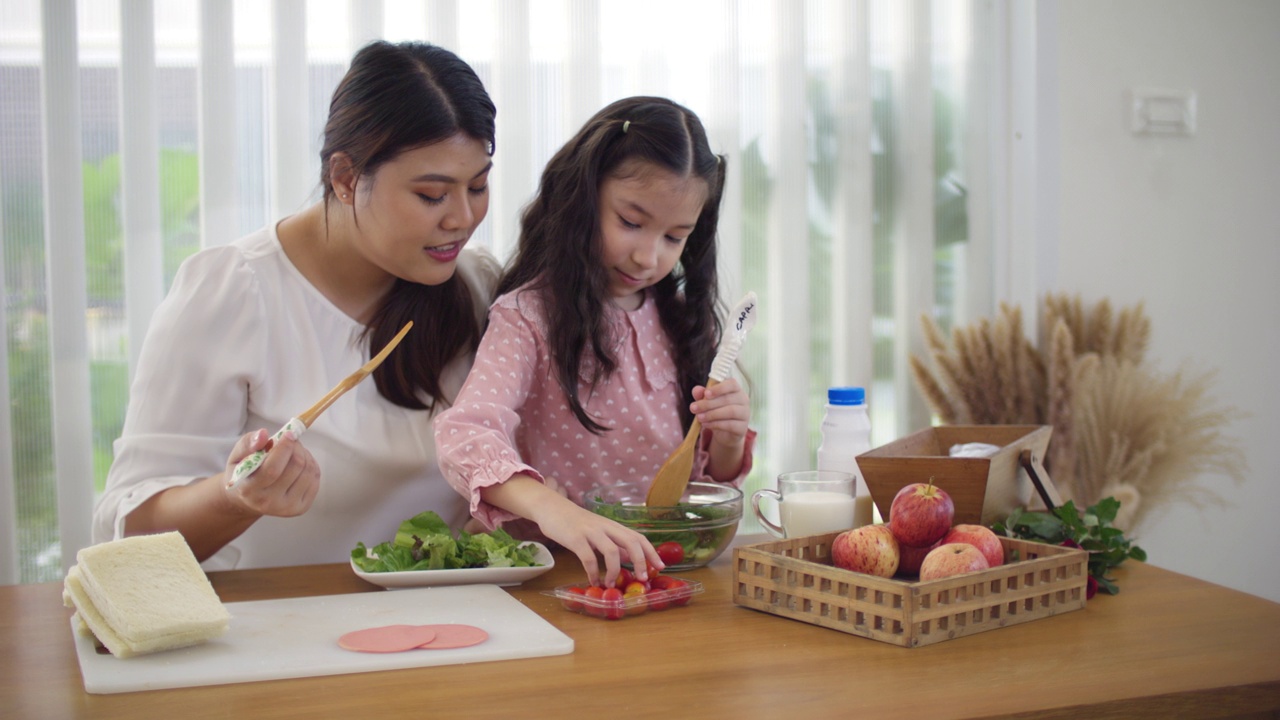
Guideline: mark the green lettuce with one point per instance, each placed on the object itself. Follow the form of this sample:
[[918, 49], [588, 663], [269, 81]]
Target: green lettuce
[[424, 542]]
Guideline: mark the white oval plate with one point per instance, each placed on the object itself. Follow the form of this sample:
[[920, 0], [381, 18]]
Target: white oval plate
[[461, 576]]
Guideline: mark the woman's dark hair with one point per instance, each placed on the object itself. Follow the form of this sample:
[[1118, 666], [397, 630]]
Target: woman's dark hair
[[560, 252], [398, 97]]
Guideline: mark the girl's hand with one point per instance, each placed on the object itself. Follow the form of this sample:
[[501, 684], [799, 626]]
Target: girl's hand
[[284, 485], [725, 410], [591, 536]]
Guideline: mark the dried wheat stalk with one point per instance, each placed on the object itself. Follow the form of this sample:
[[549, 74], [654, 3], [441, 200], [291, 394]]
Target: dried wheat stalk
[[1155, 434], [1062, 361], [1120, 428]]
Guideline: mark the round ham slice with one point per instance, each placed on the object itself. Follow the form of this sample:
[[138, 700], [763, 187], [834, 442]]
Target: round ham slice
[[387, 639], [454, 636]]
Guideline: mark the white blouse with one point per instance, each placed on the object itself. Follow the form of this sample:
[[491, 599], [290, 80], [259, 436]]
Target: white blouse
[[243, 341]]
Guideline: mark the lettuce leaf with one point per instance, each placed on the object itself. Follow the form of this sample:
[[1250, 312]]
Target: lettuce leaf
[[424, 542]]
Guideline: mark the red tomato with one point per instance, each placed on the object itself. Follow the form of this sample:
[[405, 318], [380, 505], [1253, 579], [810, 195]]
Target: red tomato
[[671, 553], [661, 582], [679, 591], [658, 599], [571, 603], [625, 577], [596, 593], [634, 596], [614, 609]]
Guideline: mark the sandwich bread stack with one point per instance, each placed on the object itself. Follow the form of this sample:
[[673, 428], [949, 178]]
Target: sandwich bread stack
[[143, 594]]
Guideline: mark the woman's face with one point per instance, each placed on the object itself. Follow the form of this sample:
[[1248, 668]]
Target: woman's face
[[646, 214], [417, 210]]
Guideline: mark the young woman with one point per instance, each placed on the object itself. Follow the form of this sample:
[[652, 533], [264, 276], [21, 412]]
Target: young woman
[[254, 332], [604, 330]]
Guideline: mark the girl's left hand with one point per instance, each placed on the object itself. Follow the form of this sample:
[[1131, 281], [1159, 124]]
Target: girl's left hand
[[724, 409]]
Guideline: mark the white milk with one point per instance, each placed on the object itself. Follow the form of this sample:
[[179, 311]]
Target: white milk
[[814, 513]]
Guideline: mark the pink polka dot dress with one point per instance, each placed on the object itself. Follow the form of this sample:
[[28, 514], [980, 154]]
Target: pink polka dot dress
[[512, 417]]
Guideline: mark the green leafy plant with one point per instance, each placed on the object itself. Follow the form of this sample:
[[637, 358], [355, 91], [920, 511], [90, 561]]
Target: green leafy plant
[[1089, 530], [425, 542]]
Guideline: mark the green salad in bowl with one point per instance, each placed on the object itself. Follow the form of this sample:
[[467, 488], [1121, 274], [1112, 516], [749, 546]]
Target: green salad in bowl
[[702, 524]]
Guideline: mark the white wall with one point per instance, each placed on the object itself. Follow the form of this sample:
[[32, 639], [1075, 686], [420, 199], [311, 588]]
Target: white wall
[[1188, 225]]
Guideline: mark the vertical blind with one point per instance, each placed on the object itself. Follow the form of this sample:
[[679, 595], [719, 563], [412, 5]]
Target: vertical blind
[[860, 194]]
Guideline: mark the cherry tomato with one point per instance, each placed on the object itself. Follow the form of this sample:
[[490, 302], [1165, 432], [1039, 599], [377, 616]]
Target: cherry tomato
[[625, 577], [613, 609], [657, 598], [634, 597], [661, 582], [671, 553], [679, 591], [596, 594], [571, 603]]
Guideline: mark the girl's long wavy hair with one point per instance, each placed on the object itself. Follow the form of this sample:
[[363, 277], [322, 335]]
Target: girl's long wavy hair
[[394, 98], [560, 252]]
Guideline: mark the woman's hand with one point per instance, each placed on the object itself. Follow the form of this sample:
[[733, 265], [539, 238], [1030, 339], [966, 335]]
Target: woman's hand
[[725, 410], [284, 485], [209, 514]]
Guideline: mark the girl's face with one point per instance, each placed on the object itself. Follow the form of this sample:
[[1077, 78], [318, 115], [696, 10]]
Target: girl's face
[[418, 209], [646, 214]]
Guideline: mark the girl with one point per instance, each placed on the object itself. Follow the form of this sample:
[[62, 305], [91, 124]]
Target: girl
[[604, 327], [254, 332]]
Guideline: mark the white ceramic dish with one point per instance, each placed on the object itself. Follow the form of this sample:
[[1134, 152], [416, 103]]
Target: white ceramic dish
[[464, 576]]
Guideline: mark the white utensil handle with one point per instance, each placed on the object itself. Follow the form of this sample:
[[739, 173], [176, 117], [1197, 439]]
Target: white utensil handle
[[247, 466], [741, 321]]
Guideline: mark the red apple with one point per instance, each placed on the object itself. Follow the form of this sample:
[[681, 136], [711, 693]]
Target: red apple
[[951, 559], [910, 558], [980, 537], [920, 514], [869, 549]]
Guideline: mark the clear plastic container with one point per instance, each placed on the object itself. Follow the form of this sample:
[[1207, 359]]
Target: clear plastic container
[[571, 598], [846, 433]]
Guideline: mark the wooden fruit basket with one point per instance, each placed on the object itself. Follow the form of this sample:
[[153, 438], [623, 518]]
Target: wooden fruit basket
[[985, 490], [795, 579]]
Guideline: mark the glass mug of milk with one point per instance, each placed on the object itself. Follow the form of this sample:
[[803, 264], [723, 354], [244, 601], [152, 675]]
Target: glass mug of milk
[[810, 502]]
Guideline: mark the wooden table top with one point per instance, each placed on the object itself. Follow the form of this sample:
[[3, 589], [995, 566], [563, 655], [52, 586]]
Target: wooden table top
[[1167, 646]]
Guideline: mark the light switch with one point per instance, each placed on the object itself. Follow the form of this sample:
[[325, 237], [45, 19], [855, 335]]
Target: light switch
[[1162, 112]]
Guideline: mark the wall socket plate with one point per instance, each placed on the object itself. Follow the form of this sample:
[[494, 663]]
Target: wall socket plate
[[1154, 111]]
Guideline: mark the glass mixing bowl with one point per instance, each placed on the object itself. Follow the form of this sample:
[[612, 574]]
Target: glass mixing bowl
[[704, 522]]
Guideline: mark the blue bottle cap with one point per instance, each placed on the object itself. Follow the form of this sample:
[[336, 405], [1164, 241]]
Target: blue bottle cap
[[846, 395]]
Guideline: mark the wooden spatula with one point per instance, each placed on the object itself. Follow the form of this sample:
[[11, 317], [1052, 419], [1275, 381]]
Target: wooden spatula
[[299, 424], [673, 477]]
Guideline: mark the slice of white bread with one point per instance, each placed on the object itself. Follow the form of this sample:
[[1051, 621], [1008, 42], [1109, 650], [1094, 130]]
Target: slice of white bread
[[144, 594]]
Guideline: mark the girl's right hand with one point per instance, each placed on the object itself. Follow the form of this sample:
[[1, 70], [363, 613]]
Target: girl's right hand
[[591, 536], [284, 485]]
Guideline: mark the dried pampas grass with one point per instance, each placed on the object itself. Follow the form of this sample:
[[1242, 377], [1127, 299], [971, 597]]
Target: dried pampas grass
[[1120, 428]]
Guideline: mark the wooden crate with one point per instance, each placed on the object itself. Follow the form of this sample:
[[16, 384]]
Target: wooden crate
[[984, 490], [795, 579]]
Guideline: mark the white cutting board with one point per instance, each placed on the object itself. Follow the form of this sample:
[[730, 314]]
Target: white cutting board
[[298, 637]]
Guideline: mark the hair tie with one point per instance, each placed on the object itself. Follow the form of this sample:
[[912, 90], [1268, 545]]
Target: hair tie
[[625, 124]]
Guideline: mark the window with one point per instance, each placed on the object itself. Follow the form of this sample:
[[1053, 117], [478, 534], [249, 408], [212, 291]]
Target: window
[[859, 194]]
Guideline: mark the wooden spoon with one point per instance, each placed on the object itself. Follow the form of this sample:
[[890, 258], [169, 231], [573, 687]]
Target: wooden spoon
[[673, 477], [299, 424]]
